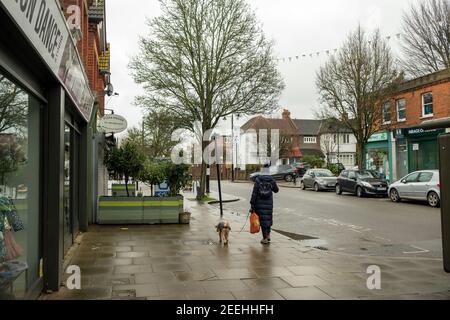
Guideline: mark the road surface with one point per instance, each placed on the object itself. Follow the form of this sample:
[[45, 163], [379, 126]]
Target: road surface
[[369, 226]]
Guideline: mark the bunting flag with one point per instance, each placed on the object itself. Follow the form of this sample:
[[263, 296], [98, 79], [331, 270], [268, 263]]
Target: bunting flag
[[330, 52]]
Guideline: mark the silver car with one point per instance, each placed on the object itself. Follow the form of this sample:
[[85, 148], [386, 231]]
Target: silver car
[[318, 179], [420, 185]]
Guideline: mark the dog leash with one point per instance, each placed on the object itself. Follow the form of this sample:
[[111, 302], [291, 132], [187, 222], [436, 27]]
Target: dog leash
[[246, 220]]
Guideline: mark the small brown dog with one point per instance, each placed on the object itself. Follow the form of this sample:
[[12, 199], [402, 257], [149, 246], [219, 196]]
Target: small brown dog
[[223, 228]]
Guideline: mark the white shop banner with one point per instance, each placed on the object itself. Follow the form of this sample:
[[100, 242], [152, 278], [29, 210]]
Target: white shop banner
[[44, 24]]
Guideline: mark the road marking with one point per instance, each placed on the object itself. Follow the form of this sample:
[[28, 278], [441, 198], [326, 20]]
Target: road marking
[[422, 250]]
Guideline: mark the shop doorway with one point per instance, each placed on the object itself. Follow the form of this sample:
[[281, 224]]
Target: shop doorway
[[424, 155], [71, 182]]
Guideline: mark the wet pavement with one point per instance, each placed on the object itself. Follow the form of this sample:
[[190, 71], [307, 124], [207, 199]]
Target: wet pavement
[[186, 262], [347, 224]]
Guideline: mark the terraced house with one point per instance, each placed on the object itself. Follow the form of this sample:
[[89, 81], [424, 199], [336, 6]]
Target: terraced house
[[404, 143]]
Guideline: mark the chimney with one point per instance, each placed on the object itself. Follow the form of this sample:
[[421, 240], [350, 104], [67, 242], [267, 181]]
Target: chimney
[[286, 114]]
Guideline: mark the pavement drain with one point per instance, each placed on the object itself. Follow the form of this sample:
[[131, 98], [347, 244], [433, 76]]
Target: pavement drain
[[121, 281], [124, 294]]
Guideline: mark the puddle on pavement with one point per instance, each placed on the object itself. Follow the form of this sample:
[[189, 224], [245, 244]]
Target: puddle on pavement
[[307, 241], [208, 242]]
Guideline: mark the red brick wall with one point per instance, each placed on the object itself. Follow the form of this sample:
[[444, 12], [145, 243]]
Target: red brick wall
[[89, 50], [441, 105]]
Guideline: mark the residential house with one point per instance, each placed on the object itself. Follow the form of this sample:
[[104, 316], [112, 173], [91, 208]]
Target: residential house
[[338, 144], [289, 139], [309, 137]]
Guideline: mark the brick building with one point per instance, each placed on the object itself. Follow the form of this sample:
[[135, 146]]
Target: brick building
[[403, 144]]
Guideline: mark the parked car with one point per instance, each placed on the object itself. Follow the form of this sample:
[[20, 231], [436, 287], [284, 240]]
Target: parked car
[[301, 168], [420, 185], [318, 179], [362, 183], [282, 172]]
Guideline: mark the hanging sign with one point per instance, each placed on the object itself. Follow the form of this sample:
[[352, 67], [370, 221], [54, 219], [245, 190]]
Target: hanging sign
[[42, 22], [113, 123]]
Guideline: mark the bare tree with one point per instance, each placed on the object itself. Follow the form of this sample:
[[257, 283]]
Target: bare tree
[[205, 60], [154, 136], [353, 84], [427, 37]]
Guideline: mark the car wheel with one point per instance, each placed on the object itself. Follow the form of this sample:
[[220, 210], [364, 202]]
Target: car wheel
[[316, 187], [360, 192], [433, 199], [338, 190], [302, 185], [395, 197], [288, 178]]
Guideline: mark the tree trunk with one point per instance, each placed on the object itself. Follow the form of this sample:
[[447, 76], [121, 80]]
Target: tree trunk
[[126, 185], [151, 190], [202, 191], [360, 156]]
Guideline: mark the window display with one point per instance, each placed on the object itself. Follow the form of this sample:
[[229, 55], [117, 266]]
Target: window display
[[19, 190]]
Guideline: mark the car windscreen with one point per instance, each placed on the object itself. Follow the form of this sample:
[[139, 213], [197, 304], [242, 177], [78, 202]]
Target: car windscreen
[[324, 174], [366, 175]]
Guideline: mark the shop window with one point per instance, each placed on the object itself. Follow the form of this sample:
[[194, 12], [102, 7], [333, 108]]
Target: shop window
[[401, 110], [427, 105], [19, 191], [387, 113]]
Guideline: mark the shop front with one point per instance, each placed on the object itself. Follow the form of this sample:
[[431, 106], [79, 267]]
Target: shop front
[[377, 154], [45, 111], [418, 149]]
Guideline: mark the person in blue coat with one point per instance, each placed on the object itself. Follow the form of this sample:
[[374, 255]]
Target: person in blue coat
[[262, 201]]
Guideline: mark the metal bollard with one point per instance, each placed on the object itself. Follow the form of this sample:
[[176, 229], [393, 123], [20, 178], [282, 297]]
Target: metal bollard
[[444, 149]]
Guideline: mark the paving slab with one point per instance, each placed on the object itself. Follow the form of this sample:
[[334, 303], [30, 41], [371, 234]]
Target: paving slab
[[182, 262]]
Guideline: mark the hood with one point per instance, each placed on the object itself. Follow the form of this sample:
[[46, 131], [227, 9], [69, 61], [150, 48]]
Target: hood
[[265, 178], [327, 179], [374, 180]]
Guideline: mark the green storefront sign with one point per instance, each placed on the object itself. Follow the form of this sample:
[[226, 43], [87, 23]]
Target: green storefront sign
[[377, 137]]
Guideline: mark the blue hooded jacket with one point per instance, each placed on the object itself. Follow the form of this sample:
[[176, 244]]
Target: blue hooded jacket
[[264, 206]]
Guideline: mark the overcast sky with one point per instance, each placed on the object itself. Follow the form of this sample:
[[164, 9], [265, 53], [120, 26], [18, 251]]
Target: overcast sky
[[298, 27]]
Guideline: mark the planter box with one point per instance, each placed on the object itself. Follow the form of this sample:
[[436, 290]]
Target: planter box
[[146, 210], [120, 210], [162, 210]]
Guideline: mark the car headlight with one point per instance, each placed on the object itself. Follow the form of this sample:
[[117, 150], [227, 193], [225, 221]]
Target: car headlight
[[366, 184]]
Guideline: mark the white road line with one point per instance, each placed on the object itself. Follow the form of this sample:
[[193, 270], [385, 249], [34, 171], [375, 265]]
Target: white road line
[[422, 250]]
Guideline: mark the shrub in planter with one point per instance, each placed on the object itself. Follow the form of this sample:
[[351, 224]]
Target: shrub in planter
[[153, 173], [177, 176], [125, 162]]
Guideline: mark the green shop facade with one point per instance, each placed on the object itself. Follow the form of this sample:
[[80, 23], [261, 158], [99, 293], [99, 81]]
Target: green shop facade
[[378, 155], [47, 113], [402, 151]]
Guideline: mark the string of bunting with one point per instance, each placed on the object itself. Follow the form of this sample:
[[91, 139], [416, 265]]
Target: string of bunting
[[329, 52]]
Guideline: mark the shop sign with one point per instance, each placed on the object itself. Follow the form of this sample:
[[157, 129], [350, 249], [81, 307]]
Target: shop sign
[[44, 24], [113, 123], [421, 131], [162, 190], [416, 147], [383, 136]]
